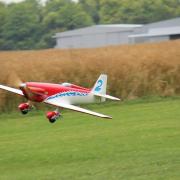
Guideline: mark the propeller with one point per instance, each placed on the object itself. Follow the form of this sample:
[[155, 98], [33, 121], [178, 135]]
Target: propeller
[[14, 80]]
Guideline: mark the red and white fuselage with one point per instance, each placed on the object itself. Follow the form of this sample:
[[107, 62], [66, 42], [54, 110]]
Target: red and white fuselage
[[63, 95], [72, 94]]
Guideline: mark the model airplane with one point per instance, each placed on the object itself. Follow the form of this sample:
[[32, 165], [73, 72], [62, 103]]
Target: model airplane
[[63, 95]]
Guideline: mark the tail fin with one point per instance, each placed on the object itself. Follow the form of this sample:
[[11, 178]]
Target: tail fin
[[100, 85], [99, 88]]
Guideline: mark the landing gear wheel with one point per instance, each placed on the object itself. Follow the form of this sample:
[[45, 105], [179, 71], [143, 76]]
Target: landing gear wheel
[[52, 116], [52, 120], [24, 112]]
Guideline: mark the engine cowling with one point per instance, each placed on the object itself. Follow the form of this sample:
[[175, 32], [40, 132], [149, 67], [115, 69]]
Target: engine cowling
[[52, 116], [24, 108]]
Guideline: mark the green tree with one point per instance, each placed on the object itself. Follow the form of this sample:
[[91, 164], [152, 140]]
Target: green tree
[[110, 11], [3, 11], [138, 11], [31, 25], [65, 14], [21, 29], [60, 16], [72, 16], [92, 7]]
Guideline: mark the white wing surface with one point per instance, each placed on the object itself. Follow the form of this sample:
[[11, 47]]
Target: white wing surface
[[13, 90], [75, 108]]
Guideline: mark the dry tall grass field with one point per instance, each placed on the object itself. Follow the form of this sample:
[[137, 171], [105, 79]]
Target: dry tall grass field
[[133, 70]]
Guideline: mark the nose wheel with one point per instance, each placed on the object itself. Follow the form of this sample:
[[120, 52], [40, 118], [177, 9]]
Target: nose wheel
[[25, 107]]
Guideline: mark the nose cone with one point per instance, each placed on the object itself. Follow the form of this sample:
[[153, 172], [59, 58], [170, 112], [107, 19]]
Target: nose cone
[[22, 85]]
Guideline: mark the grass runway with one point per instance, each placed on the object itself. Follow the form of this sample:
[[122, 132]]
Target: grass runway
[[142, 142]]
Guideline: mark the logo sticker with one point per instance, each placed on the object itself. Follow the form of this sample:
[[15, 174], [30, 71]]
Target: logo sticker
[[69, 93], [99, 85]]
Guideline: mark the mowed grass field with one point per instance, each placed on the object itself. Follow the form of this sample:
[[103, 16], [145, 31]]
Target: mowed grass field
[[142, 141]]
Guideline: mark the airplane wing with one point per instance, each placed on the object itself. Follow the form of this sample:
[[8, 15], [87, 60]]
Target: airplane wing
[[75, 108], [13, 90]]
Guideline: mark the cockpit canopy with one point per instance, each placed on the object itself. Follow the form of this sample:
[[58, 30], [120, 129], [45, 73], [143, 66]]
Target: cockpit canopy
[[66, 84]]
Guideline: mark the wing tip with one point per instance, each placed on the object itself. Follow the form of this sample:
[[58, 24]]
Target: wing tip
[[116, 99], [107, 117]]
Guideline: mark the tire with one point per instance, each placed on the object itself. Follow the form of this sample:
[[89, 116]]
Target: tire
[[52, 120], [24, 112]]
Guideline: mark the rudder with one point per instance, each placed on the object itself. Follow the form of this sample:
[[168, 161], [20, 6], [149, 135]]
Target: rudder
[[100, 86]]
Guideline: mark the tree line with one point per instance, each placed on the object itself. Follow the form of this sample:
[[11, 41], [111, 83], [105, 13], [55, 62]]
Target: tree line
[[31, 24]]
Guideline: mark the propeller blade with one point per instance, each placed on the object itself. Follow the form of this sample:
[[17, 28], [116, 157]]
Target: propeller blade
[[14, 80]]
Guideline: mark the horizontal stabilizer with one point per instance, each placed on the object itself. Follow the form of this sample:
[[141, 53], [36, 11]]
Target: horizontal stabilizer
[[107, 96]]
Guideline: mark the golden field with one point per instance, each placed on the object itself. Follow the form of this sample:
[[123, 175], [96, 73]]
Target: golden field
[[133, 70]]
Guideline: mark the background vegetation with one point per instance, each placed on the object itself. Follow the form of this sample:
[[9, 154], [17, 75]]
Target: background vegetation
[[31, 24], [133, 71]]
